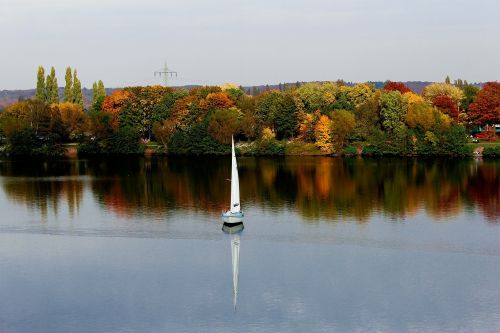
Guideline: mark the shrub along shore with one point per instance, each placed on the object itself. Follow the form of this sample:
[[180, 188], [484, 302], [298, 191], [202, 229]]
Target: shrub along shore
[[328, 118]]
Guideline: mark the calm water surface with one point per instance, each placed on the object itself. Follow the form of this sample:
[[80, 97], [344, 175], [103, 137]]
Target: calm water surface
[[330, 245]]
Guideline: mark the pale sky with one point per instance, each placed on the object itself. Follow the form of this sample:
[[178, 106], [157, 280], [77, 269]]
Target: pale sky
[[122, 42]]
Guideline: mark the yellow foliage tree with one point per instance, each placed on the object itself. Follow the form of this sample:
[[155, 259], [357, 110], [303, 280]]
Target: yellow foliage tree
[[322, 134], [73, 117], [360, 93], [439, 89], [420, 114]]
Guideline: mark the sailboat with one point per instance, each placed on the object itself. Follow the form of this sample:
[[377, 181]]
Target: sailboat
[[234, 215]]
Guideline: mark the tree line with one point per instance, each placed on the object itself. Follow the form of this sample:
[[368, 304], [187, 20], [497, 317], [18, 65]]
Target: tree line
[[310, 118]]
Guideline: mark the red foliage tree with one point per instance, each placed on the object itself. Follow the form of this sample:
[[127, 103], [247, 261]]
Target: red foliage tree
[[446, 105], [397, 86], [486, 107]]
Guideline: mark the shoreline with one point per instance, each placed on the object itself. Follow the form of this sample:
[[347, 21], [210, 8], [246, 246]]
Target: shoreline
[[72, 151]]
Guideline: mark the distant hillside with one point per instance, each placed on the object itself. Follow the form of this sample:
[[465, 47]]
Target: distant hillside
[[8, 97]]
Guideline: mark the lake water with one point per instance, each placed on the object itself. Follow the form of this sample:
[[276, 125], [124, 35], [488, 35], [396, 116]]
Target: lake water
[[329, 245]]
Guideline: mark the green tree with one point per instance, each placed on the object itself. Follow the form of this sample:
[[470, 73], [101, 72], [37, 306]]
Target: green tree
[[285, 116], [447, 80], [40, 85], [77, 90], [52, 87], [367, 117], [98, 95], [223, 123], [343, 123], [68, 88], [470, 93], [392, 110]]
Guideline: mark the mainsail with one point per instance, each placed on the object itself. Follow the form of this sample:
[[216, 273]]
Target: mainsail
[[235, 183]]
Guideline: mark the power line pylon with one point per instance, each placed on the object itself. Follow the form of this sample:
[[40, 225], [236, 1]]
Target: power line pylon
[[166, 73]]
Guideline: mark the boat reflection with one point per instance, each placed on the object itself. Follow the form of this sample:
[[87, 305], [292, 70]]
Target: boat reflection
[[234, 231]]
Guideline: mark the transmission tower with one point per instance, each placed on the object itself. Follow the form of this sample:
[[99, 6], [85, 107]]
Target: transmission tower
[[166, 73]]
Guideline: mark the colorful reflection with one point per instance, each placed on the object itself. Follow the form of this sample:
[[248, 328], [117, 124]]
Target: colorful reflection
[[314, 187]]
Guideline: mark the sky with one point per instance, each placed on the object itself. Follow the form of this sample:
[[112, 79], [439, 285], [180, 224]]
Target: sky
[[123, 42]]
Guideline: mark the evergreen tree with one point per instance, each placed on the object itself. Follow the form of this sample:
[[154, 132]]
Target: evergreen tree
[[68, 88], [447, 80], [77, 90], [40, 85]]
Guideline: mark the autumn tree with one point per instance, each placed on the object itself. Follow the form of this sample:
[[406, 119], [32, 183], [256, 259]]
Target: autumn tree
[[446, 105], [436, 89], [68, 88], [397, 86], [113, 104], [40, 85], [343, 123], [420, 114], [214, 101], [73, 118], [360, 93], [322, 133], [138, 111], [163, 109], [164, 131], [224, 123], [392, 110], [486, 107], [307, 123], [367, 117]]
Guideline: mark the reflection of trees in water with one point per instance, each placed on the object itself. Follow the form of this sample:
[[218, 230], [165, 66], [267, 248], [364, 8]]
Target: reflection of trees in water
[[316, 187], [38, 184]]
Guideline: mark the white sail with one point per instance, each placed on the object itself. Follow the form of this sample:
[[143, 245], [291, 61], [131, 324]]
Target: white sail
[[235, 255], [235, 183]]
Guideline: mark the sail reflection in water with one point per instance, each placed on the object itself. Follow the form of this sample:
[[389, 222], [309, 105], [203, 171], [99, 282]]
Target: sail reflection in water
[[319, 188], [234, 232]]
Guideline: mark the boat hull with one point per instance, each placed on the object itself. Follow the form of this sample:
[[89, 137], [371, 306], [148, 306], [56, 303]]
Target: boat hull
[[232, 218]]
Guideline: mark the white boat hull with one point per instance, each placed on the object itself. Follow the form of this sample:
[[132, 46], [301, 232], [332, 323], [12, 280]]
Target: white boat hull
[[230, 217]]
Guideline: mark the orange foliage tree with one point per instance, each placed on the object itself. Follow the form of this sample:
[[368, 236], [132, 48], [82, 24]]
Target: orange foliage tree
[[114, 103], [74, 119], [323, 135], [218, 100]]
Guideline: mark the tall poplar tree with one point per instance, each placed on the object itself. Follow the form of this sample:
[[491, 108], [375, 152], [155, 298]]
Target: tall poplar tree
[[52, 87], [77, 90], [94, 94], [49, 82], [40, 85], [98, 95], [68, 88]]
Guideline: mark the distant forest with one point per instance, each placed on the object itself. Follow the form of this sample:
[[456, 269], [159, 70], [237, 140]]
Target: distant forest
[[8, 97]]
